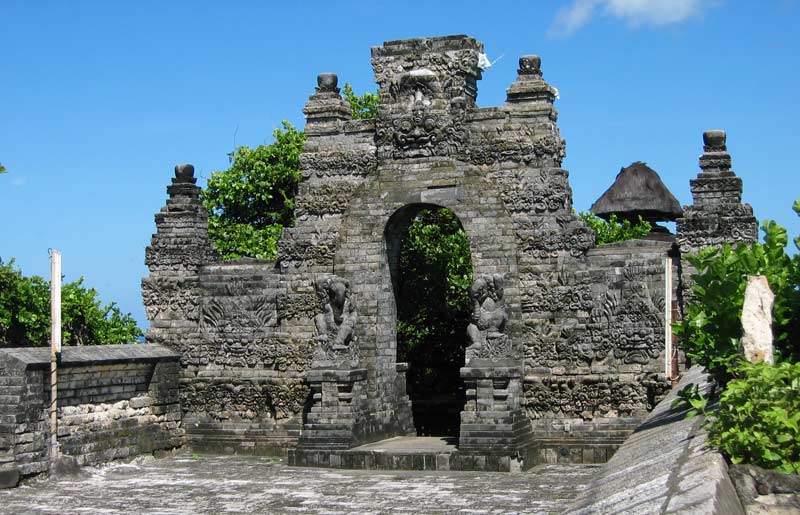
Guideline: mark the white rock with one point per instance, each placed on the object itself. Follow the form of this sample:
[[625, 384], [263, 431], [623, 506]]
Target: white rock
[[756, 342]]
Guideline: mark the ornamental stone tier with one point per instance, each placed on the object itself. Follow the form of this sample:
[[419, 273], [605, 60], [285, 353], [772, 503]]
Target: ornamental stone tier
[[717, 215], [566, 351]]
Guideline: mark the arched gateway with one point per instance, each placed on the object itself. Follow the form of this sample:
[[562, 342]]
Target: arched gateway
[[566, 349]]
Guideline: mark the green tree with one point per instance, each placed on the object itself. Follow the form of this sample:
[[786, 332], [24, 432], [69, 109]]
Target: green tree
[[3, 169], [757, 419], [25, 313], [615, 230], [251, 202], [711, 327], [364, 107]]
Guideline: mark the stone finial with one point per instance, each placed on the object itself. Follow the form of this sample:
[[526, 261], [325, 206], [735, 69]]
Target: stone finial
[[327, 82], [714, 141], [326, 105], [530, 65], [715, 158], [184, 177], [756, 342], [184, 172], [530, 90]]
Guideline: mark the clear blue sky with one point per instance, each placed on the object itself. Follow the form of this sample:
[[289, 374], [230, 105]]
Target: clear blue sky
[[99, 100]]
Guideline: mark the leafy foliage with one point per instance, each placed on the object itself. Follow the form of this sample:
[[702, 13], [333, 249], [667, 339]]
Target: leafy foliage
[[433, 314], [758, 415], [364, 107], [615, 230], [251, 202], [711, 327], [25, 313], [3, 169], [758, 420], [693, 398], [434, 260]]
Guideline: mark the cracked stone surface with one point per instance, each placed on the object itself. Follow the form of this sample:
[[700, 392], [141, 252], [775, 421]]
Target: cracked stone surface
[[186, 484]]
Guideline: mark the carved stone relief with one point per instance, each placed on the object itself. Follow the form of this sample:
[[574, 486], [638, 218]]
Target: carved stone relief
[[327, 199], [316, 251], [486, 334], [337, 163], [245, 400], [422, 132], [169, 299], [335, 324], [539, 146], [555, 292], [630, 322], [540, 193], [584, 397], [542, 240]]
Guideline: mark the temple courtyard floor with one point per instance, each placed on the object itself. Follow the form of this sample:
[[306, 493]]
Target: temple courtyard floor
[[211, 484]]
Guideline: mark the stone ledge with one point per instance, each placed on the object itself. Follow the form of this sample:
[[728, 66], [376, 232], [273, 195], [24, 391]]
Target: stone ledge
[[39, 357], [664, 467]]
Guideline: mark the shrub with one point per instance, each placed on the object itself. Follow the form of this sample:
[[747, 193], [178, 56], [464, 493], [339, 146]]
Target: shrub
[[364, 107], [25, 313], [250, 203], [758, 420], [615, 230], [711, 327]]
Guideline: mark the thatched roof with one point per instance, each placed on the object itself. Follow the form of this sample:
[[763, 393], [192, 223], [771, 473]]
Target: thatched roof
[[638, 190]]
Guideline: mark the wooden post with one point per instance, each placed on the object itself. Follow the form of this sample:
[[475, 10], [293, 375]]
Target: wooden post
[[668, 317], [55, 347]]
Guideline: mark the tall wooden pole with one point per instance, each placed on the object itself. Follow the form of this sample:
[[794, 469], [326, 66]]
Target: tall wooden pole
[[55, 347], [668, 317]]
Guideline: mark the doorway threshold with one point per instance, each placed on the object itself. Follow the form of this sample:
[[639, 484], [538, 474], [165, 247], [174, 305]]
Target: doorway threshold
[[405, 453]]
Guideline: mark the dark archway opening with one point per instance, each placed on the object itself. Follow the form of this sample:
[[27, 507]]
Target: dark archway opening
[[431, 273]]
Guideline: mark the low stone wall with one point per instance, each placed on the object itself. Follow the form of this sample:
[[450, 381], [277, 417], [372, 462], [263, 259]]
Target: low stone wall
[[113, 402], [664, 467]]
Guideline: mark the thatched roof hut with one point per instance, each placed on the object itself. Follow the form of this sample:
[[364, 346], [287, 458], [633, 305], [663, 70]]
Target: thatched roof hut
[[638, 191]]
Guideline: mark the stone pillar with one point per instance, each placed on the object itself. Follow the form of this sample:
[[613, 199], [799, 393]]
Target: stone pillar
[[493, 422], [717, 215], [177, 251], [338, 384], [330, 423]]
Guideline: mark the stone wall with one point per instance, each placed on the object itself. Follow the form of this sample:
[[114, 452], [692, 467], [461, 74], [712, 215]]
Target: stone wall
[[568, 346], [113, 402], [595, 353], [664, 467]]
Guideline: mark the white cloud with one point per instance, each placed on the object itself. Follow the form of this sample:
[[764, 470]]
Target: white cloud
[[656, 13]]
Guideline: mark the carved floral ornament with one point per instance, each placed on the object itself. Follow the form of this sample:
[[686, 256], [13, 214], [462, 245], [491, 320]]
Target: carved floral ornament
[[169, 300], [283, 399], [544, 192], [251, 313], [452, 64], [299, 252]]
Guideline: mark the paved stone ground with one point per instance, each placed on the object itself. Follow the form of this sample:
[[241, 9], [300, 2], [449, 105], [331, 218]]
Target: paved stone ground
[[185, 484]]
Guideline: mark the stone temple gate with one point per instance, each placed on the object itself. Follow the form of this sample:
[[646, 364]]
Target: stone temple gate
[[568, 347]]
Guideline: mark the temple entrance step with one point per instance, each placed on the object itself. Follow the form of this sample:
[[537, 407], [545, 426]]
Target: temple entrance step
[[405, 453]]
